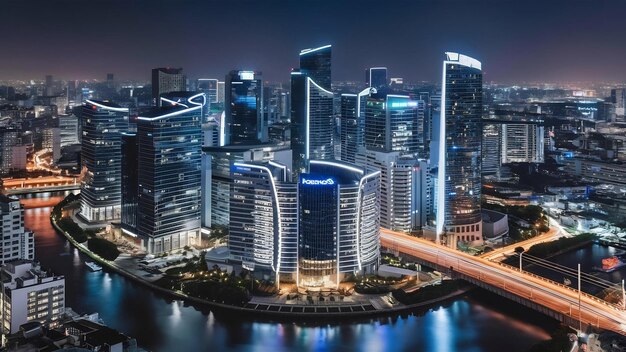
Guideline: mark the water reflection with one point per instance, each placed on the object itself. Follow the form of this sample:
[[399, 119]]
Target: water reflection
[[477, 322]]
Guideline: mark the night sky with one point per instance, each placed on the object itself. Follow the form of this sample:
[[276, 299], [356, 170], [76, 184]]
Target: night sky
[[517, 41]]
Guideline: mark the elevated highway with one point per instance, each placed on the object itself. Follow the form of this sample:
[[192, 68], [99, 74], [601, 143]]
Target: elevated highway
[[559, 301]]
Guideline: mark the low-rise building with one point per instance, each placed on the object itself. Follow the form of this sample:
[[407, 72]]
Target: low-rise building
[[30, 294]]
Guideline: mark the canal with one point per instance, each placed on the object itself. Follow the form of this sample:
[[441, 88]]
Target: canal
[[478, 321]]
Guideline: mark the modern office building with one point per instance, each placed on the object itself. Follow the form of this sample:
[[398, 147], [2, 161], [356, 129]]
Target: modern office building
[[17, 242], [30, 294], [522, 143], [243, 106], [316, 64], [165, 80], [459, 151], [254, 228], [618, 98], [188, 99], [338, 223], [169, 144], [68, 126], [405, 189], [101, 154], [312, 122], [313, 232], [395, 123], [217, 179], [352, 123], [130, 183], [208, 86], [376, 77], [348, 128], [51, 140], [221, 92], [511, 137], [9, 137]]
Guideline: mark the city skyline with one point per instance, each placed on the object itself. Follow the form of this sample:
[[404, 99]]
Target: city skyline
[[313, 175], [494, 32]]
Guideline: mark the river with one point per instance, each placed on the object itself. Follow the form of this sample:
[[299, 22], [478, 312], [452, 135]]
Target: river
[[478, 321]]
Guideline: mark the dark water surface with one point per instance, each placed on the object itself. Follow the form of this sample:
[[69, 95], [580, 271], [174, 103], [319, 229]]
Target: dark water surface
[[478, 321]]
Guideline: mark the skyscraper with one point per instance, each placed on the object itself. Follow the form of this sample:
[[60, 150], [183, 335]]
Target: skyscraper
[[254, 228], [243, 108], [459, 150], [376, 77], [312, 123], [165, 80], [18, 242], [169, 159], [101, 154], [352, 123], [130, 184], [338, 223], [316, 63], [209, 87], [394, 123]]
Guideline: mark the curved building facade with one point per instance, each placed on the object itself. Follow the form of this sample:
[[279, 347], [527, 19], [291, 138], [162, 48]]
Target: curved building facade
[[459, 143], [101, 194], [338, 223]]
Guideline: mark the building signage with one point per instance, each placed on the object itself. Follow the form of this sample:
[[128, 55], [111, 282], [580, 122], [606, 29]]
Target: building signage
[[310, 182]]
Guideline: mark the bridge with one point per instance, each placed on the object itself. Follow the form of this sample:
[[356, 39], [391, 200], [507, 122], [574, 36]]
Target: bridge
[[39, 184], [561, 302]]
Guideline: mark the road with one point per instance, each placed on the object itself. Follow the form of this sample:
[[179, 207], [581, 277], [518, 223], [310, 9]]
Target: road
[[556, 231], [42, 163], [557, 297], [39, 184]]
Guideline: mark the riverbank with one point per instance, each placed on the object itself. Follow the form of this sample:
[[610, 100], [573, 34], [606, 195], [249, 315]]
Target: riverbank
[[269, 310]]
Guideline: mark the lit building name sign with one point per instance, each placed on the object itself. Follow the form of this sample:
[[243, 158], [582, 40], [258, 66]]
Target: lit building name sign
[[408, 104], [326, 182]]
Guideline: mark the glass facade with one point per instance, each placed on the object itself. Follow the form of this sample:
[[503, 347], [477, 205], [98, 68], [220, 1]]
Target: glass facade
[[376, 77], [395, 123], [349, 127], [312, 123], [461, 115], [129, 182], [101, 154], [316, 63], [243, 108], [254, 229], [169, 177], [317, 230]]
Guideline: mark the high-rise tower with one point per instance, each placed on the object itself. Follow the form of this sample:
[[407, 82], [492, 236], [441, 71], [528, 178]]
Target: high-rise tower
[[101, 153], [243, 108], [458, 146]]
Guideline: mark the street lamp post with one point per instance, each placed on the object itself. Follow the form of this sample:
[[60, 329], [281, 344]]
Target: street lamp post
[[623, 296], [520, 261], [580, 314]]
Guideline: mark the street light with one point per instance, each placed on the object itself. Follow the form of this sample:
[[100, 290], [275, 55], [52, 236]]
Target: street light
[[520, 261]]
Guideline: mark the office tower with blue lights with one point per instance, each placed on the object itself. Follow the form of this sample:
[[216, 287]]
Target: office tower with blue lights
[[316, 64], [458, 155], [166, 80], [394, 123], [208, 86], [243, 108], [338, 223], [101, 154], [352, 123], [312, 122], [169, 159], [376, 77], [130, 184]]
